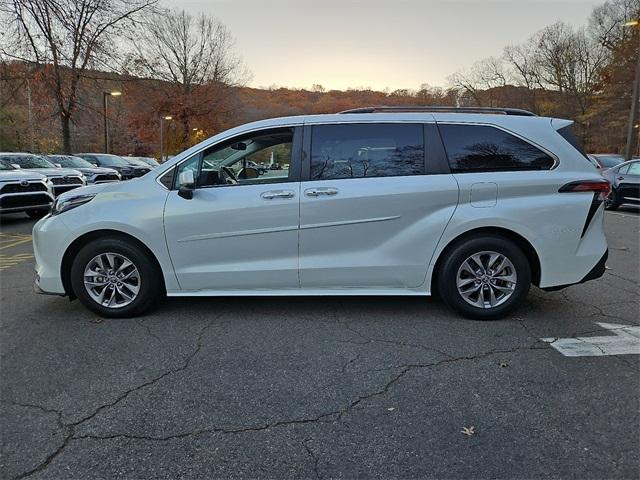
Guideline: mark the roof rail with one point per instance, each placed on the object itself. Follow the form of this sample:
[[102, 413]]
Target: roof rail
[[440, 109]]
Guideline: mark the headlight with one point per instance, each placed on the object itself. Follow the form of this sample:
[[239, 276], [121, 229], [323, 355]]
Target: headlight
[[67, 203]]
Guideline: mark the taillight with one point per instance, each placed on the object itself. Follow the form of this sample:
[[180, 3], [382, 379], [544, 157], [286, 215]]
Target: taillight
[[600, 187]]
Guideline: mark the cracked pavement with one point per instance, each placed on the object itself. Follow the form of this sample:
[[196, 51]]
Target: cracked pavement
[[319, 387]]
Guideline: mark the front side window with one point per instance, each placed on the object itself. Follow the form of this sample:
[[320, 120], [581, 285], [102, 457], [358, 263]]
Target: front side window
[[366, 150], [482, 148], [263, 157]]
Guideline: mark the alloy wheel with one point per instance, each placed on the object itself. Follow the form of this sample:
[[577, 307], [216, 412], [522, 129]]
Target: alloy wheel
[[112, 280], [486, 279]]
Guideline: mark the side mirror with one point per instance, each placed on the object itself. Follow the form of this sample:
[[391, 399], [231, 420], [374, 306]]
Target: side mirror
[[15, 165], [58, 165], [187, 184]]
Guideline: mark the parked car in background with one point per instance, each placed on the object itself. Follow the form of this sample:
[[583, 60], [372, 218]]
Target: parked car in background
[[92, 173], [63, 179], [606, 160], [625, 184], [107, 160], [139, 167], [24, 191], [474, 204], [152, 162]]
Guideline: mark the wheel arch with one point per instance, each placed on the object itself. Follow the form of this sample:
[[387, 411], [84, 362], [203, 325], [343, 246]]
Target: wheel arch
[[520, 241], [75, 247]]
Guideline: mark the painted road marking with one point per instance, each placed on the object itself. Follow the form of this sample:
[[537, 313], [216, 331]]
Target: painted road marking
[[625, 341], [7, 261], [8, 240]]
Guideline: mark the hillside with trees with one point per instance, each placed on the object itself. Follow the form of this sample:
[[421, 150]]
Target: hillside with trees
[[58, 58]]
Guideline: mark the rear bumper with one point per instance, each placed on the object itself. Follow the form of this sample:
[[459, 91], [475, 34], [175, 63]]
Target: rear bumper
[[596, 272]]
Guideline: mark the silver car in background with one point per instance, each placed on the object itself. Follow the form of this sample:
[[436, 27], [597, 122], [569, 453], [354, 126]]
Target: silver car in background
[[63, 179], [24, 191], [92, 173]]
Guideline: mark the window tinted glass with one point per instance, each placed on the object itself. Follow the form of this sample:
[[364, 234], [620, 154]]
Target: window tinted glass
[[624, 169], [479, 148], [634, 169], [366, 150]]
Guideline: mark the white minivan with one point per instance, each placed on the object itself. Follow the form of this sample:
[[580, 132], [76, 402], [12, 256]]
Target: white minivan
[[472, 204]]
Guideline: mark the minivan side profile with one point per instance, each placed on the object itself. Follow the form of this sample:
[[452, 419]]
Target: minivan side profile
[[473, 204]]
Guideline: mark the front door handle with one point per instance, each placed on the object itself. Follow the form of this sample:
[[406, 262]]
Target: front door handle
[[316, 192], [272, 194], [620, 178]]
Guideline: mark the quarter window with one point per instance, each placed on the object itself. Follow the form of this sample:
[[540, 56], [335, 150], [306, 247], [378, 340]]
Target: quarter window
[[366, 150], [481, 148]]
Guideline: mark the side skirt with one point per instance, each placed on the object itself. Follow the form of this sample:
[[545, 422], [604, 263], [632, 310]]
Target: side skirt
[[299, 292]]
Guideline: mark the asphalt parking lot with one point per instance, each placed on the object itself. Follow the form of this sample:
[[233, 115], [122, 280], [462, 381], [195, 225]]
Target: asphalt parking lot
[[318, 387]]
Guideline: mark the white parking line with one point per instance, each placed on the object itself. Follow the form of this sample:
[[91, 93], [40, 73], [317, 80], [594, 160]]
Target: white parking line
[[626, 341]]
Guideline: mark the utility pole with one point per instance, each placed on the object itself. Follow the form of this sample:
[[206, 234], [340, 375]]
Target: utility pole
[[162, 119], [106, 119], [30, 114], [628, 151]]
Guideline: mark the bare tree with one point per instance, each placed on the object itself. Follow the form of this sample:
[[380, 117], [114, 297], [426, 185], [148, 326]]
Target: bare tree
[[194, 55], [484, 75], [66, 38]]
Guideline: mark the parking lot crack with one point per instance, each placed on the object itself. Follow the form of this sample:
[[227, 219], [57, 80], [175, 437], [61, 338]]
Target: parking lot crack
[[146, 327], [50, 458], [313, 456], [185, 365]]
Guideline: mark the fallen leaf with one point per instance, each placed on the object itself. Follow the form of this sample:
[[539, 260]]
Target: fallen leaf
[[504, 364], [468, 431]]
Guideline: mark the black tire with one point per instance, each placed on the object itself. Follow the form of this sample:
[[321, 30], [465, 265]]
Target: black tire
[[151, 286], [448, 276], [37, 213], [612, 202]]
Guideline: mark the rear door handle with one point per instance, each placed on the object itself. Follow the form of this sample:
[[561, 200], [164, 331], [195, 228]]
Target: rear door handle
[[273, 194], [316, 192]]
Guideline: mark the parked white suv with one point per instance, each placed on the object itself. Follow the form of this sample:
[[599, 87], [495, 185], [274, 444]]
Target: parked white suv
[[474, 204]]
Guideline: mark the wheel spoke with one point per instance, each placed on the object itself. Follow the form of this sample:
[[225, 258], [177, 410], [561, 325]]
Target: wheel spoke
[[486, 279], [119, 283]]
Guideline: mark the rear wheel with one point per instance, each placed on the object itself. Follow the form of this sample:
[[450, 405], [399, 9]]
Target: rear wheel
[[115, 278], [484, 278]]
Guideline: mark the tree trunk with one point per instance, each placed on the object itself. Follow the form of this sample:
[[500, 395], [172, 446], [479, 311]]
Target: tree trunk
[[65, 123]]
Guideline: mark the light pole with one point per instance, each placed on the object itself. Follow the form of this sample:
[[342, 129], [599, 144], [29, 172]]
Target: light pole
[[634, 97], [162, 119], [106, 120]]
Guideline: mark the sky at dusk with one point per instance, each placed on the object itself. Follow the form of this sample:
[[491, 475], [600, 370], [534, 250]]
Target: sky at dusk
[[377, 43]]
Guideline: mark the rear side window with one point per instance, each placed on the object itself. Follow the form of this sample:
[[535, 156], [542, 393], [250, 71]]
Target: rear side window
[[366, 150], [482, 148]]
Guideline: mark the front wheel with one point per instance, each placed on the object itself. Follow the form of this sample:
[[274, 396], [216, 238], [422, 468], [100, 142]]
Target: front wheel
[[484, 278], [114, 277]]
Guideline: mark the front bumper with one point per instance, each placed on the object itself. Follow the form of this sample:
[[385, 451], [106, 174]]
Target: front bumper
[[50, 239]]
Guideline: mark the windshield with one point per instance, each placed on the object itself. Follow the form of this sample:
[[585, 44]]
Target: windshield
[[28, 161], [149, 161], [111, 161], [135, 161], [71, 162], [609, 161], [4, 165]]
